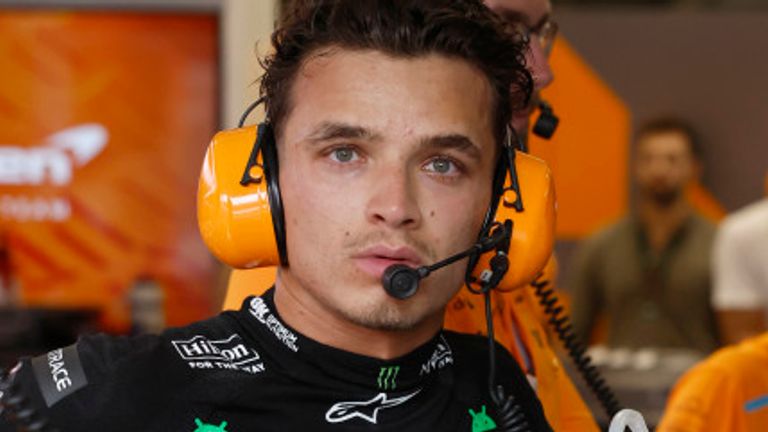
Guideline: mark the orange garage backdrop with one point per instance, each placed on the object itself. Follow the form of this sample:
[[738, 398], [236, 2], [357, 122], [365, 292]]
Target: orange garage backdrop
[[104, 118]]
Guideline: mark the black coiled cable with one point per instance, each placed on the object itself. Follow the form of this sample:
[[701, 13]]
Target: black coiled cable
[[576, 350], [510, 416], [17, 409]]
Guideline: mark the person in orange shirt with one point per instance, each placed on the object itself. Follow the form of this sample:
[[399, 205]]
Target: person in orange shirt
[[726, 392]]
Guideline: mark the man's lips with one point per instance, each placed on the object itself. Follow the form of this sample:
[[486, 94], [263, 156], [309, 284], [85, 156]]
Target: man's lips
[[374, 260]]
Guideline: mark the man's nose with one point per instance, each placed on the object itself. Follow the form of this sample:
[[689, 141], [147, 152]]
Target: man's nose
[[538, 65], [393, 200]]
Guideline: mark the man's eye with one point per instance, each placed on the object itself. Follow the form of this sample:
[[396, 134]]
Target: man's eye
[[343, 154], [441, 166]]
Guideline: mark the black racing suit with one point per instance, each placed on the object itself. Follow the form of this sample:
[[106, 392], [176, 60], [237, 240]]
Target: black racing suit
[[247, 371]]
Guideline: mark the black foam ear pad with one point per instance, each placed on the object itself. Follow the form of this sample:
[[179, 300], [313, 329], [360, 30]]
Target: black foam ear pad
[[268, 147]]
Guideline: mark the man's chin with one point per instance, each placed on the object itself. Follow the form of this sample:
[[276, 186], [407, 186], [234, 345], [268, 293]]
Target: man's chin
[[373, 308], [384, 315], [664, 197]]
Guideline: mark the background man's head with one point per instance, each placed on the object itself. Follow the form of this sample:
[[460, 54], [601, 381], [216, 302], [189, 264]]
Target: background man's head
[[666, 159], [531, 18], [388, 115]]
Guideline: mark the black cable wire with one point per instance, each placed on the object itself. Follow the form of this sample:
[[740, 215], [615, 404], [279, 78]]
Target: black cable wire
[[248, 110], [511, 417], [576, 350]]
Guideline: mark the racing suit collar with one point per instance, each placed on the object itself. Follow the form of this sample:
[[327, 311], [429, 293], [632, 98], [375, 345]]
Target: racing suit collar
[[298, 352]]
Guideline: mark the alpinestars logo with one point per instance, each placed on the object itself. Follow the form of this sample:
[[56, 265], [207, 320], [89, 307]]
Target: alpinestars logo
[[231, 353], [367, 410], [441, 357]]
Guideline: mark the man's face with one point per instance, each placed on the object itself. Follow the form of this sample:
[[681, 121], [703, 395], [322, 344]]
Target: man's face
[[383, 160], [532, 13], [664, 165]]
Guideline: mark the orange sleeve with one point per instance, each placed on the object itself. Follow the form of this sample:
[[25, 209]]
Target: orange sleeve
[[705, 399], [726, 392], [574, 415]]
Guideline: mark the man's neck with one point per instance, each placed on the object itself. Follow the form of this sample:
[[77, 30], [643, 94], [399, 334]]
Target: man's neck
[[300, 310], [661, 222]]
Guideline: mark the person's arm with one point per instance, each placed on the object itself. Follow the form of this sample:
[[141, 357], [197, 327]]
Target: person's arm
[[585, 290], [698, 402], [84, 387], [737, 296]]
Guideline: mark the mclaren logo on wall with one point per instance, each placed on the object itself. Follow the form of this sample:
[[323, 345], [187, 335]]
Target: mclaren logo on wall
[[50, 164]]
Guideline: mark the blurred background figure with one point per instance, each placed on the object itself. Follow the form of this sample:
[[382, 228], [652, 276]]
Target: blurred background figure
[[649, 273], [146, 300], [740, 266], [729, 390]]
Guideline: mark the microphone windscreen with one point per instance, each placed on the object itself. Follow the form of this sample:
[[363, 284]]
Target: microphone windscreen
[[400, 281]]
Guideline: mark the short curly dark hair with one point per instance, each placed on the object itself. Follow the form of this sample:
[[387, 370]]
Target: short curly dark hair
[[463, 29]]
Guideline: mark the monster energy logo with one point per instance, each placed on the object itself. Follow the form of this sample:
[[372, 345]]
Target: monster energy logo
[[387, 377]]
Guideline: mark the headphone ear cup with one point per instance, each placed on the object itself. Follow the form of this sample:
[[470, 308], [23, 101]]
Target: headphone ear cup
[[533, 231], [235, 219]]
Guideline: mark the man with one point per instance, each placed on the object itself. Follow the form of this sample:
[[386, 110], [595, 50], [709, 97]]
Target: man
[[740, 265], [516, 316], [649, 273], [388, 116], [532, 18]]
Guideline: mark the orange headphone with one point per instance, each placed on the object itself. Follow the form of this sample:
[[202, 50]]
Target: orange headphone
[[241, 219]]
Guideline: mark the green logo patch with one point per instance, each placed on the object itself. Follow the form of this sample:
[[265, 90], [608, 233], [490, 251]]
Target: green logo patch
[[203, 427], [387, 377], [481, 422]]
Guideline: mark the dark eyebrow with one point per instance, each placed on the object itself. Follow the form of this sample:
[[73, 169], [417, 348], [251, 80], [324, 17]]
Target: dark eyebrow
[[334, 130], [453, 141]]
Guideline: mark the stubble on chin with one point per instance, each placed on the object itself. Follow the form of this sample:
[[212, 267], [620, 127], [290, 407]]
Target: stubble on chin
[[664, 196], [385, 314], [381, 314]]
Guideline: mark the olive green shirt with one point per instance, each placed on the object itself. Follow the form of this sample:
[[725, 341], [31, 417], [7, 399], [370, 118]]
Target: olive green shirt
[[650, 299]]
